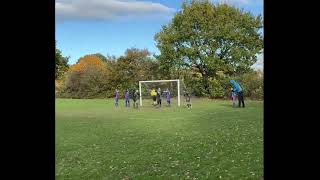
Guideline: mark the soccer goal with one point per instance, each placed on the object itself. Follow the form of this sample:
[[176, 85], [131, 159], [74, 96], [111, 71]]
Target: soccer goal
[[146, 86]]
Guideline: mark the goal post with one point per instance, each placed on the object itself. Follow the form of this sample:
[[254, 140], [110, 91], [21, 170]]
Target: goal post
[[155, 81]]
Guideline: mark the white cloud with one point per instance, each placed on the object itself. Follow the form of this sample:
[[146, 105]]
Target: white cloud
[[239, 2], [232, 1], [109, 9]]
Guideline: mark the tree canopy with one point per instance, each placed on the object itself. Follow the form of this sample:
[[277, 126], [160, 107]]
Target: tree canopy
[[211, 39], [61, 63]]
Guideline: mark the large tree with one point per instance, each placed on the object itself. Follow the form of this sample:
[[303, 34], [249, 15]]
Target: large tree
[[134, 66], [61, 63], [210, 38], [88, 78], [106, 59]]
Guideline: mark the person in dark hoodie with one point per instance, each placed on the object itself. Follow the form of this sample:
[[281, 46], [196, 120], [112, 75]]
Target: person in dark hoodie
[[237, 88], [159, 97], [135, 98], [188, 99]]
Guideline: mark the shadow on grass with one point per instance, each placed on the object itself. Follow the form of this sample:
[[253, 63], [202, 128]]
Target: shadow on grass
[[229, 105]]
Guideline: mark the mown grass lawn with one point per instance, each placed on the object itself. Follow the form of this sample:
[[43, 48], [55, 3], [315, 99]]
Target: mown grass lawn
[[95, 140]]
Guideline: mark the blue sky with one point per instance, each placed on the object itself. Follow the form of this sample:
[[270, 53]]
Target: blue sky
[[110, 27]]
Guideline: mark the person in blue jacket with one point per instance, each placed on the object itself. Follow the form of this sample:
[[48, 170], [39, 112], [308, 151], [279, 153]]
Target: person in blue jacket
[[237, 88]]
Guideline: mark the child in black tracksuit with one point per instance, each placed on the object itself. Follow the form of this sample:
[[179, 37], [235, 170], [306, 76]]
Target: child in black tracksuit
[[135, 98], [159, 97], [188, 100]]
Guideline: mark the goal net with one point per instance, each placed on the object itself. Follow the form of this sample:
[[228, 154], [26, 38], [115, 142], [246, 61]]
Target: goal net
[[145, 88]]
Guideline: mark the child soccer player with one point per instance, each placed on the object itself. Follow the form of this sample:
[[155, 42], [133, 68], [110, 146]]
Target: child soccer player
[[168, 96], [159, 97], [188, 100], [154, 96], [233, 97], [135, 99], [117, 98], [127, 98]]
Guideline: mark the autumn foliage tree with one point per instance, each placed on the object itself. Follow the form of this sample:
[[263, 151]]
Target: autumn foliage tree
[[87, 78]]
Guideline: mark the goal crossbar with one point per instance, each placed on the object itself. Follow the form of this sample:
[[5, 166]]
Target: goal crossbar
[[172, 80]]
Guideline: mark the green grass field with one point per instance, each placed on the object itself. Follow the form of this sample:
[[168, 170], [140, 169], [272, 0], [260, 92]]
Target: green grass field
[[94, 140]]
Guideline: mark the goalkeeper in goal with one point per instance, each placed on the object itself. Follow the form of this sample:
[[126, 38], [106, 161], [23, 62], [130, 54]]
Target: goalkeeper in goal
[[154, 96]]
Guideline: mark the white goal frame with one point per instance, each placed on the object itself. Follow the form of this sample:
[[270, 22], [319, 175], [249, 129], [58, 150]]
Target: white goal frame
[[173, 80]]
